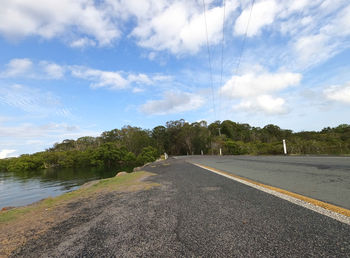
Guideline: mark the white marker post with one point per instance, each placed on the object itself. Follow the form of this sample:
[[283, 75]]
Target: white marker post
[[202, 152], [284, 147], [220, 152]]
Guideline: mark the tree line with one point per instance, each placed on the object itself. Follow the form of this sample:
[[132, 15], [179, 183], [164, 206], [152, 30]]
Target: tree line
[[130, 146]]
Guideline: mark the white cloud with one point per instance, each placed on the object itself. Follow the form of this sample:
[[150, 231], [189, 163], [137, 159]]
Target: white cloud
[[263, 13], [265, 104], [17, 67], [173, 102], [338, 93], [326, 41], [115, 80], [5, 119], [269, 13], [32, 100], [152, 56], [137, 90], [295, 25], [5, 153], [251, 84], [30, 130], [99, 78], [254, 90], [29, 138], [311, 32], [314, 48], [179, 26], [139, 78], [298, 34], [339, 25], [160, 77], [58, 18], [24, 67], [311, 50], [83, 42], [52, 70]]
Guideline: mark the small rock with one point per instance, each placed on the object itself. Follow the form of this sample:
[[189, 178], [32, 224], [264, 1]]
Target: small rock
[[7, 208], [137, 169], [121, 173], [88, 184]]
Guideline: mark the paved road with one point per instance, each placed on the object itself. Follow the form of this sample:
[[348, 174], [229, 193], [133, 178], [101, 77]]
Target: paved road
[[322, 178], [193, 213]]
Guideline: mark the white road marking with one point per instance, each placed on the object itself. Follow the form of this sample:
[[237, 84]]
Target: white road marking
[[318, 209]]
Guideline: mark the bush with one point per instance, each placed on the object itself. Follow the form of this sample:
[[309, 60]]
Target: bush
[[4, 164], [148, 154], [274, 148], [235, 148]]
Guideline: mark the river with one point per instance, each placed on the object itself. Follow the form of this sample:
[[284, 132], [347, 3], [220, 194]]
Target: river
[[22, 188]]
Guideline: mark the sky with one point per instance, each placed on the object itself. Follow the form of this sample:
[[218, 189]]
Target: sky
[[72, 68]]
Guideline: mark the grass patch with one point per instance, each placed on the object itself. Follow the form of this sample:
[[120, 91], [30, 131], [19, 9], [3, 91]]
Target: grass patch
[[12, 214], [127, 182]]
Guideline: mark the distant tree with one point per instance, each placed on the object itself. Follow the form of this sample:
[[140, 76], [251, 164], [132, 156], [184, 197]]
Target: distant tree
[[133, 146]]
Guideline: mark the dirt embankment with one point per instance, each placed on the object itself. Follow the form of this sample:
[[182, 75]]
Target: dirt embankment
[[19, 225]]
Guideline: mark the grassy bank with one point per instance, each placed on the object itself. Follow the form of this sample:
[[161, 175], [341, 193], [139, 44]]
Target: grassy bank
[[126, 182]]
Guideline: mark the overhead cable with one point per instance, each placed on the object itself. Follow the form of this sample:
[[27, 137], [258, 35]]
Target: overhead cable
[[209, 58]]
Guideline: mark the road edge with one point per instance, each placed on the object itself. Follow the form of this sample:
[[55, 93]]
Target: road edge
[[330, 210]]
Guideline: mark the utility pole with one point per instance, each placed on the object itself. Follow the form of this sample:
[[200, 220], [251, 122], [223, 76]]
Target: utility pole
[[220, 135], [284, 147]]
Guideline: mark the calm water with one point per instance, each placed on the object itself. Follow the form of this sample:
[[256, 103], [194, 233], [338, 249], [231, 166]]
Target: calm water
[[22, 188]]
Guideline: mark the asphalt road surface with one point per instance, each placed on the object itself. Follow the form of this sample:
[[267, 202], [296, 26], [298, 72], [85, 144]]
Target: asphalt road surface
[[320, 177], [193, 213]]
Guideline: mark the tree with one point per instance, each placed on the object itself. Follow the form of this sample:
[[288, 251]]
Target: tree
[[160, 138], [131, 146], [148, 154]]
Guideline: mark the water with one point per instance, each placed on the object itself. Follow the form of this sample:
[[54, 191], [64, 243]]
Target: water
[[22, 188]]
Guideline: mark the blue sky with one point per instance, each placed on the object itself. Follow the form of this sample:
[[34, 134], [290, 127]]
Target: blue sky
[[71, 68]]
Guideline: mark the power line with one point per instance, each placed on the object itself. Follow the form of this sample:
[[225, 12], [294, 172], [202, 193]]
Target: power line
[[222, 51], [244, 38], [209, 58], [222, 57], [241, 50]]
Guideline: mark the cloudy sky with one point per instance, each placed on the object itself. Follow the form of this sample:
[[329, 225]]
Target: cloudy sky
[[70, 68]]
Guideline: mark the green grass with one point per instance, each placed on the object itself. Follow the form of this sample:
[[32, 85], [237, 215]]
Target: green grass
[[9, 215]]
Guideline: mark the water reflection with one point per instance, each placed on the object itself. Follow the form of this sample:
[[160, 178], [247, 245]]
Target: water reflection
[[21, 188]]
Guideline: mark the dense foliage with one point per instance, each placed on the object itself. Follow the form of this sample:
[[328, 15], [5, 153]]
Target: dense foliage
[[133, 146]]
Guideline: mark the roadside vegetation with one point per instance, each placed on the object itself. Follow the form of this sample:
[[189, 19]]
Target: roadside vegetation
[[132, 146]]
